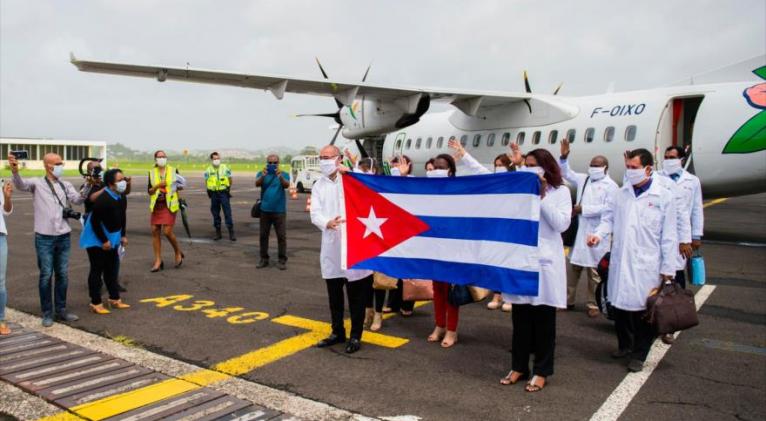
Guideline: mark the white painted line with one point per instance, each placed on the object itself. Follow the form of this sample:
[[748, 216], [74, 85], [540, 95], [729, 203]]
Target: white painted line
[[23, 405], [621, 397]]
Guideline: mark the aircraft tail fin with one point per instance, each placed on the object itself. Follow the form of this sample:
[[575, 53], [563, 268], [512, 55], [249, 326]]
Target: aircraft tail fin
[[736, 72]]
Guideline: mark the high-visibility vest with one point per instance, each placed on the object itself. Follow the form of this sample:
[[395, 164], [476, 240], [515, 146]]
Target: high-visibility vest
[[217, 179], [171, 199]]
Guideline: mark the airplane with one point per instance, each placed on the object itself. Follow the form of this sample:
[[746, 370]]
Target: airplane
[[722, 124]]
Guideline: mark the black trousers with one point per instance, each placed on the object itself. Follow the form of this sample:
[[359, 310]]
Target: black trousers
[[103, 269], [395, 300], [278, 220], [633, 333], [358, 292], [681, 278], [376, 299], [534, 332]]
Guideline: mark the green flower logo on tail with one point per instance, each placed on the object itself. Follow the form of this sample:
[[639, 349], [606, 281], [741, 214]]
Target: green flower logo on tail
[[751, 136]]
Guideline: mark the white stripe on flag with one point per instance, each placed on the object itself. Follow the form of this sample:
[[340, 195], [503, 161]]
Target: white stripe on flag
[[512, 206], [492, 253]]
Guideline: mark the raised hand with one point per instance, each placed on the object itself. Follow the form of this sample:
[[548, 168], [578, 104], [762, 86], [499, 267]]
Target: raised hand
[[564, 148], [458, 149], [515, 155]]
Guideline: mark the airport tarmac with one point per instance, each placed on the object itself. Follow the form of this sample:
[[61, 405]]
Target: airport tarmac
[[217, 311]]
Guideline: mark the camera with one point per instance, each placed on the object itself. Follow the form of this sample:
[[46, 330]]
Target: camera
[[71, 213]]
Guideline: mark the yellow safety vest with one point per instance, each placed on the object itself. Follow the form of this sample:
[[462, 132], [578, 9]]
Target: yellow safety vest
[[217, 179], [171, 199]]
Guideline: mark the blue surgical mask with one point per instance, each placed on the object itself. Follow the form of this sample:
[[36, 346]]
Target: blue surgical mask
[[58, 170], [121, 186]]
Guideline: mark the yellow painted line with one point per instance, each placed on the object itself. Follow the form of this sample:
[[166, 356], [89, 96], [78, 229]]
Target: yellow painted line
[[324, 329], [417, 305], [248, 362], [61, 416], [715, 202]]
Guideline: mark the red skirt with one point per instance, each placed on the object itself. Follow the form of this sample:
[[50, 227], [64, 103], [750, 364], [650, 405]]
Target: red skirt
[[162, 215]]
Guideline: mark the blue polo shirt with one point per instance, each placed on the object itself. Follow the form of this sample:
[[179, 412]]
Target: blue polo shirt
[[274, 199]]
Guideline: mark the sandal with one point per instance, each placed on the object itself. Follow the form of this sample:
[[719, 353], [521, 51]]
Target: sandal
[[437, 334], [509, 380], [4, 329], [405, 313], [533, 387], [449, 340]]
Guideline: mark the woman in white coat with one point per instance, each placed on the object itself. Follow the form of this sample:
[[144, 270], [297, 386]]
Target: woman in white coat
[[534, 318]]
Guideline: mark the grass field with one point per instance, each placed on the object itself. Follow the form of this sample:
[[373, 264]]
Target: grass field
[[142, 168]]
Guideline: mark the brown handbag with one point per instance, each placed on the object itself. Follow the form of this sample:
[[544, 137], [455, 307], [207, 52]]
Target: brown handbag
[[671, 309], [417, 290], [383, 281], [478, 293]]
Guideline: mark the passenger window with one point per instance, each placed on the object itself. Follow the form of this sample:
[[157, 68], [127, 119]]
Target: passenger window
[[491, 140], [464, 140], [520, 138], [408, 145], [429, 142], [398, 144], [553, 137], [506, 139], [476, 141], [609, 134], [418, 142], [590, 134], [440, 143], [571, 135], [536, 138], [630, 133]]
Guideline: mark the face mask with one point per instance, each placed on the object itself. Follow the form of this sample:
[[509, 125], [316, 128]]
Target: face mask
[[596, 173], [395, 171], [635, 176], [328, 166], [121, 185], [499, 170], [536, 170], [672, 166], [437, 173], [58, 170], [216, 162], [161, 162]]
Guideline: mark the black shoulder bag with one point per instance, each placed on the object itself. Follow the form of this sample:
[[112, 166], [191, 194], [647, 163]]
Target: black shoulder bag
[[570, 234], [255, 212]]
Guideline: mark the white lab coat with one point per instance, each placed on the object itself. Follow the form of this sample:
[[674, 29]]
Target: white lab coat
[[555, 216], [593, 201], [691, 189], [644, 243], [683, 216], [325, 206]]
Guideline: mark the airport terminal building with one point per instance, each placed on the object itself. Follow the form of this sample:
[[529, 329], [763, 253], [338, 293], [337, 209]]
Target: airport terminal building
[[71, 151]]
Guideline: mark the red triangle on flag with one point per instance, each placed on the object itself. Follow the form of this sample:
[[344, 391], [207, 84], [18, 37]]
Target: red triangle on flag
[[373, 223]]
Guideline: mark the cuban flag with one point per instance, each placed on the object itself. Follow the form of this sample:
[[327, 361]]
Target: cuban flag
[[475, 230]]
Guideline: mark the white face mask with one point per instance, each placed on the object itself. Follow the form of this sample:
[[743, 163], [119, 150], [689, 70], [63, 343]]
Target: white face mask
[[437, 173], [395, 171], [499, 170], [328, 166], [121, 186], [537, 170], [216, 162], [596, 173], [161, 162], [58, 170], [672, 166], [635, 176]]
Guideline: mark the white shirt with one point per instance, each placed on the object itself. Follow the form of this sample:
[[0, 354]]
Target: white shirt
[[644, 243], [325, 206], [592, 197], [3, 214], [555, 216], [49, 218], [683, 218]]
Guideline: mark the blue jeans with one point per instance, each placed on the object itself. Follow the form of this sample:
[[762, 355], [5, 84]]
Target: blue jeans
[[53, 257], [3, 269], [220, 200]]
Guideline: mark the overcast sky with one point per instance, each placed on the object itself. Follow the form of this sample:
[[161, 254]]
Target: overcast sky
[[456, 44]]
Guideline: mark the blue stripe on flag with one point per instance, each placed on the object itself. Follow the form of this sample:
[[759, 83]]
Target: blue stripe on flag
[[517, 231], [505, 183], [510, 281]]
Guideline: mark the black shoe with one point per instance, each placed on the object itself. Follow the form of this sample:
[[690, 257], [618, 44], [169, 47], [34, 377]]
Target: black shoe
[[668, 339], [281, 266], [331, 340], [121, 288], [231, 235], [570, 307], [262, 264], [218, 235], [66, 316], [180, 262], [158, 268], [620, 353], [634, 366], [353, 345]]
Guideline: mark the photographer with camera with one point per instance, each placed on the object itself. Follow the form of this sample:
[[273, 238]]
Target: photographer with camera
[[52, 206]]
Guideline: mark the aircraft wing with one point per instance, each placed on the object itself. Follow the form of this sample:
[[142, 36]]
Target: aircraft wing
[[467, 101]]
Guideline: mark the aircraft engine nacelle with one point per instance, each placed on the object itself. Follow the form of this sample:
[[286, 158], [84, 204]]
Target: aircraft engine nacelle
[[371, 117]]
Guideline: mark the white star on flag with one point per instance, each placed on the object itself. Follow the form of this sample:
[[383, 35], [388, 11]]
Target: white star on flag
[[372, 224]]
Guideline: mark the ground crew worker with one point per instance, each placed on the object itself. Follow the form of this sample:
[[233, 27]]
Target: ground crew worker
[[218, 183]]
